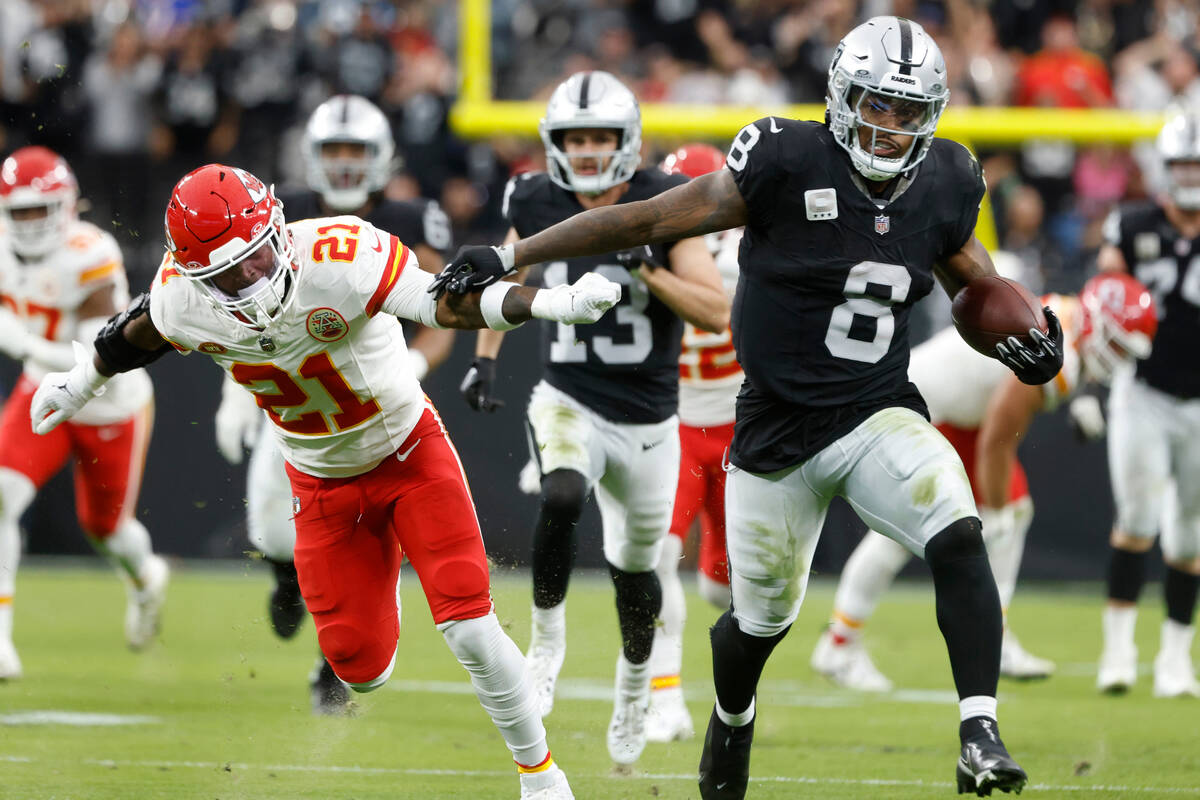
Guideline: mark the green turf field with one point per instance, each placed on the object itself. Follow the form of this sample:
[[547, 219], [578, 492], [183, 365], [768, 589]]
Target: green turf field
[[219, 708]]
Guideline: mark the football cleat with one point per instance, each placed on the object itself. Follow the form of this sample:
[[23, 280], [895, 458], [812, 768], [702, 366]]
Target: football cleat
[[543, 662], [1174, 675], [848, 665], [627, 731], [725, 760], [549, 785], [143, 609], [286, 606], [985, 764], [330, 696], [10, 662], [1118, 669], [668, 719], [1019, 664]]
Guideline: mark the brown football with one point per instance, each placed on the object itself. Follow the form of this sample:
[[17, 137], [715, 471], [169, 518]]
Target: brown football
[[989, 310]]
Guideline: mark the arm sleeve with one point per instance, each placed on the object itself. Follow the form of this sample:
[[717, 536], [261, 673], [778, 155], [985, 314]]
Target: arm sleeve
[[409, 298]]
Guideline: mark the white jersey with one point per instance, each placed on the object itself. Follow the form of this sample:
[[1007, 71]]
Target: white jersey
[[46, 296], [332, 372], [957, 382], [709, 375]]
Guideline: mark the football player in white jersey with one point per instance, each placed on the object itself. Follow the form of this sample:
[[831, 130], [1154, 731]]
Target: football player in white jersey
[[984, 413], [1154, 423], [305, 316], [60, 279], [709, 380], [349, 155]]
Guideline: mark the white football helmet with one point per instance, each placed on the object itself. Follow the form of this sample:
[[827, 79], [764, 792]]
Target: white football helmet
[[889, 63], [592, 99], [1179, 148], [345, 183]]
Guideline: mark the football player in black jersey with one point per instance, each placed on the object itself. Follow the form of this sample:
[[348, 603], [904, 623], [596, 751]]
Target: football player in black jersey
[[847, 224], [349, 155], [604, 414], [1154, 422]]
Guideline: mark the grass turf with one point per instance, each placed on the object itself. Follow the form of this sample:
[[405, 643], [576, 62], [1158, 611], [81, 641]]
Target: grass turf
[[226, 714]]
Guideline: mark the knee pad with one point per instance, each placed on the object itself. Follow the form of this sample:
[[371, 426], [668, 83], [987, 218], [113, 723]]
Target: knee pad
[[564, 492], [374, 683], [472, 640], [959, 541], [16, 493], [359, 657]]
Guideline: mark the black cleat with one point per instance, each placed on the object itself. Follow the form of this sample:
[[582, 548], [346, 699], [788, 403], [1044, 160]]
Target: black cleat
[[985, 764], [286, 605], [725, 760], [330, 697]]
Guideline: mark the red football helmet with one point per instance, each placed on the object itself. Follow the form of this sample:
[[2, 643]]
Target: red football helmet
[[216, 218], [38, 192], [694, 160], [1119, 322]]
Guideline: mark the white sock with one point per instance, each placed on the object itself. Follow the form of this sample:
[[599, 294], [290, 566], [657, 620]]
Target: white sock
[[674, 606], [126, 549], [6, 619], [1176, 637], [976, 706], [868, 573], [1119, 625], [1005, 552], [736, 720], [549, 624], [497, 671], [633, 681]]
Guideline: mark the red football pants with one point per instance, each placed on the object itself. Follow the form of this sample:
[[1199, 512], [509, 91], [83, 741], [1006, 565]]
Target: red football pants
[[964, 441], [108, 458], [350, 533], [701, 490]]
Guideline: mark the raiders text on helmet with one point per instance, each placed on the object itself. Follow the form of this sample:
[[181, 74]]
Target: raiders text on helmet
[[592, 99], [345, 183], [887, 64], [216, 218]]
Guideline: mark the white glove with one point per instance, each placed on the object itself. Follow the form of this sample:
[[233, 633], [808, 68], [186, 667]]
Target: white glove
[[1087, 417], [581, 302], [15, 341], [998, 523], [530, 479], [238, 420], [62, 394]]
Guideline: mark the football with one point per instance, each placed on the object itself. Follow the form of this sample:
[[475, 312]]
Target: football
[[990, 309]]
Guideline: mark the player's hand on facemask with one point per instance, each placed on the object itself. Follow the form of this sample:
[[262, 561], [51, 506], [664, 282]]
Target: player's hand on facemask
[[478, 383], [1037, 364], [579, 303], [473, 269], [61, 394], [238, 421]]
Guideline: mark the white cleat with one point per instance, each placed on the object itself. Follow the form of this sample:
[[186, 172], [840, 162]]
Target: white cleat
[[627, 731], [10, 662], [1019, 664], [1174, 675], [144, 607], [848, 665], [543, 662], [1118, 670], [549, 785], [668, 719]]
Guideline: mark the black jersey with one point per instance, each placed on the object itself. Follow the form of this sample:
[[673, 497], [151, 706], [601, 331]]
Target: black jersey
[[1169, 266], [625, 367], [413, 222], [820, 318]]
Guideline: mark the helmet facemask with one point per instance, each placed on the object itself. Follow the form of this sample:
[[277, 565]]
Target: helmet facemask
[[914, 116], [592, 100], [616, 165], [345, 180], [1183, 183], [1105, 345], [36, 235]]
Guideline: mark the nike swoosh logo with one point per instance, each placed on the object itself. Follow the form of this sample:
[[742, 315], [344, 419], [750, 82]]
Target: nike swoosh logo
[[775, 128], [651, 445], [721, 786], [378, 244], [405, 454]]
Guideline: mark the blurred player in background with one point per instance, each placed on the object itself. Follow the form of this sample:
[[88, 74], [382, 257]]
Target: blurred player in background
[[603, 416], [1154, 422], [709, 379], [985, 412], [349, 154], [60, 279], [305, 317]]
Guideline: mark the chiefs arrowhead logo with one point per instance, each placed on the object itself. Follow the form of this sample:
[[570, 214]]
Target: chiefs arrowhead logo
[[326, 325], [254, 187]]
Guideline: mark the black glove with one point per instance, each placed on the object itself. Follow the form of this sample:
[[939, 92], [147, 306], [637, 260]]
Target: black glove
[[473, 269], [1038, 364], [476, 386], [635, 257]]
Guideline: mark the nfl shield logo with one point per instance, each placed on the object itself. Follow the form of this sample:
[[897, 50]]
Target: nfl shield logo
[[883, 224], [295, 505]]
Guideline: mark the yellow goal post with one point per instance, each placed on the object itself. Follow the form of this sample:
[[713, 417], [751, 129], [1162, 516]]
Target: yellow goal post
[[476, 115]]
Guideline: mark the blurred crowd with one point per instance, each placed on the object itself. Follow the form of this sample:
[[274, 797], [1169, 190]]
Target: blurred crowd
[[136, 92]]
